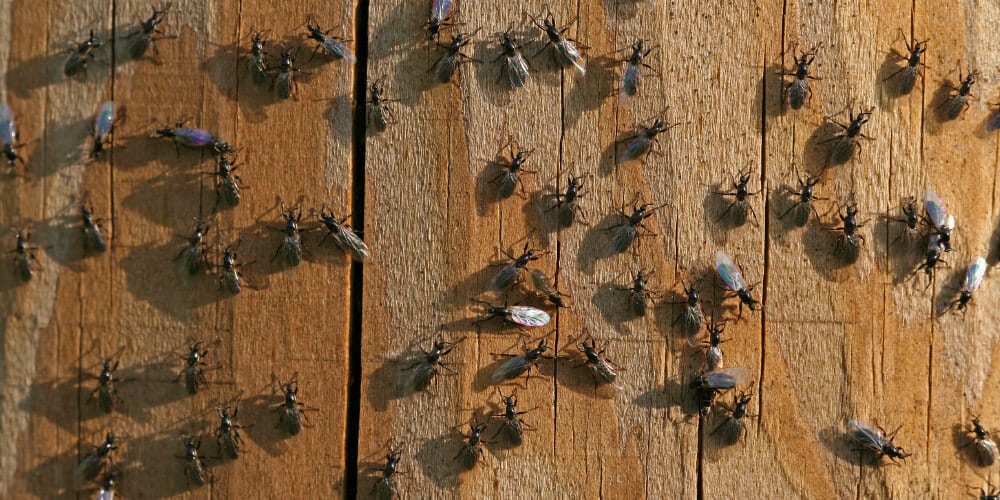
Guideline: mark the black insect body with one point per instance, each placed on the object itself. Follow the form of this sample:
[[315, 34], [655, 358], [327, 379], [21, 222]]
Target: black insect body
[[602, 369], [874, 440], [472, 450], [706, 385], [107, 388], [628, 231], [343, 235], [25, 262], [83, 53], [734, 281], [739, 207], [907, 75], [194, 468], [108, 485], [385, 486], [192, 258], [544, 286], [565, 51], [256, 59], [193, 373], [291, 413], [800, 210], [910, 219], [284, 78], [230, 278], [992, 494], [639, 293], [330, 46], [731, 428], [568, 209], [379, 114], [848, 243], [798, 92], [453, 57], [932, 259], [9, 137], [512, 426], [511, 272], [510, 173], [440, 18], [632, 77], [424, 370], [846, 142], [290, 248], [985, 448], [95, 462], [953, 106], [973, 279], [227, 184], [641, 141], [227, 434], [93, 235], [693, 315], [713, 346], [146, 35], [514, 64], [519, 364]]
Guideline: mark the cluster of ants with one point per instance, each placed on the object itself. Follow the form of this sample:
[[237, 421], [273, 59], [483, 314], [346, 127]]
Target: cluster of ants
[[291, 417]]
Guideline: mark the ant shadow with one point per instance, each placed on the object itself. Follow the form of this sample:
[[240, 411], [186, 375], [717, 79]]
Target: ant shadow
[[49, 69], [62, 147], [154, 275], [53, 476], [588, 92], [391, 378], [821, 248], [167, 188], [166, 470], [818, 153], [615, 305], [840, 444], [437, 457], [942, 106], [895, 241], [47, 399], [771, 83], [251, 97], [596, 243], [948, 292], [261, 408]]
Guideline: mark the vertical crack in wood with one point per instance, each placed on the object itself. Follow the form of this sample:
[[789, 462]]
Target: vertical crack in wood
[[767, 240], [358, 158]]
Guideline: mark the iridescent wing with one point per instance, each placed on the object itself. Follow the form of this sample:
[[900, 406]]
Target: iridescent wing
[[936, 211], [351, 242], [528, 316], [730, 275], [441, 8], [105, 120], [726, 378], [974, 275], [8, 131], [510, 368], [867, 436]]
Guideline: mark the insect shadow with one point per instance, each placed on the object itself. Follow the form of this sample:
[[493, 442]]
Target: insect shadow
[[595, 245], [59, 465], [771, 83], [816, 153], [259, 409], [437, 455], [600, 83], [152, 275], [614, 303], [819, 245], [949, 289], [165, 471], [46, 398], [901, 255]]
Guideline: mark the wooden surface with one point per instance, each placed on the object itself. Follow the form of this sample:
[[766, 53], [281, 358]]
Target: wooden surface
[[835, 341]]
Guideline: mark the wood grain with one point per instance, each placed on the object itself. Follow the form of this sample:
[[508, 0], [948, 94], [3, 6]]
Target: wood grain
[[834, 341]]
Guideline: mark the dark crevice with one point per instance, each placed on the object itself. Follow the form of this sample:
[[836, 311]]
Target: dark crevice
[[359, 128], [767, 240]]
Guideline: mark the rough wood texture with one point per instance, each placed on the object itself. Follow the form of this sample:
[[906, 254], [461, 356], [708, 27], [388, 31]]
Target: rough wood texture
[[835, 341]]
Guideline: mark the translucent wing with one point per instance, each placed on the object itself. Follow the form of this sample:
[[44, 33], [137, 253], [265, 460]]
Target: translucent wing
[[192, 137], [630, 80], [510, 368], [866, 435], [105, 119], [506, 277], [339, 49], [623, 238], [352, 243], [528, 316], [974, 275], [517, 71], [634, 148], [994, 122], [105, 494], [541, 282], [420, 377], [570, 55], [730, 275], [441, 8], [8, 131], [726, 378], [936, 211]]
